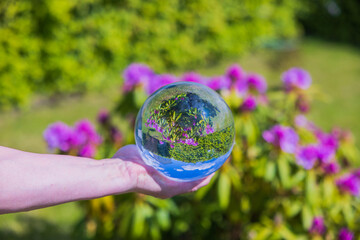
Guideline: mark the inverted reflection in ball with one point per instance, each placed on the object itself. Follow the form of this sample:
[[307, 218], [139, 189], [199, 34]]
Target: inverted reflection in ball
[[185, 130]]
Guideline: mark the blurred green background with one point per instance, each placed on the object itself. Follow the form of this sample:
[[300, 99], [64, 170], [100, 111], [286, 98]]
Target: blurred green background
[[61, 61]]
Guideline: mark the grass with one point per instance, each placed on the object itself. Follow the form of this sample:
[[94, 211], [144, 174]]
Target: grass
[[335, 70]]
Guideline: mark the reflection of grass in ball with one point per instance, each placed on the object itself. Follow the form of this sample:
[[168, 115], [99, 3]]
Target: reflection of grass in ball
[[210, 146]]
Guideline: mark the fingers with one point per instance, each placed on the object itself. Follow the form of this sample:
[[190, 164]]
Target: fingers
[[203, 183], [185, 187]]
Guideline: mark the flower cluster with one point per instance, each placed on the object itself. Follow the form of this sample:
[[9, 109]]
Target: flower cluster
[[80, 140], [317, 226], [345, 234], [322, 152], [252, 87], [296, 78], [284, 137], [349, 183]]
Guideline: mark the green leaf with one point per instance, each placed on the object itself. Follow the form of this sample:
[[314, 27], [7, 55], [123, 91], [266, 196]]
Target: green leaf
[[292, 207], [234, 177], [297, 178], [139, 97], [270, 171], [224, 188], [177, 118], [328, 190], [311, 188], [138, 221], [163, 218], [284, 171], [202, 191], [155, 231], [306, 217]]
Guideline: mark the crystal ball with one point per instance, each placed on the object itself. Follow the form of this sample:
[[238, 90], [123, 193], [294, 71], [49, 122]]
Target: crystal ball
[[185, 131]]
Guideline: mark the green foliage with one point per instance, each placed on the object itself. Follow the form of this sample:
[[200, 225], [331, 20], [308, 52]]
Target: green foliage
[[54, 47]]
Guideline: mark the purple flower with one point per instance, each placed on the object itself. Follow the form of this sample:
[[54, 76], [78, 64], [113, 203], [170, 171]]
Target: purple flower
[[235, 73], [296, 78], [357, 173], [87, 151], [249, 104], [190, 141], [345, 234], [284, 137], [59, 135], [103, 117], [135, 74], [256, 82], [209, 129], [306, 156], [317, 226], [193, 77], [301, 121], [327, 146], [159, 81], [241, 87], [219, 83], [302, 104], [116, 136], [86, 133], [349, 183], [331, 168]]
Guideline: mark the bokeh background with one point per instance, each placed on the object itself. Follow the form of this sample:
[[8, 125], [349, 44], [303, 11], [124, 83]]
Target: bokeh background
[[62, 60]]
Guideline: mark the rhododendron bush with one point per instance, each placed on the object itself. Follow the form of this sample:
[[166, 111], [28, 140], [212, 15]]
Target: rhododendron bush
[[286, 178]]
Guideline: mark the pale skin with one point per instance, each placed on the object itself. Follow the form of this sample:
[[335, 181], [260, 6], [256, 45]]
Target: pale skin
[[30, 181]]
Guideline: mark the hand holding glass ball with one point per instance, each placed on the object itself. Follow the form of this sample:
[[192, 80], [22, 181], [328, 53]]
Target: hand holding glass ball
[[185, 131]]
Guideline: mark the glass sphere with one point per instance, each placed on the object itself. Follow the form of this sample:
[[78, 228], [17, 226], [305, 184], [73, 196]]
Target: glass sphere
[[185, 130]]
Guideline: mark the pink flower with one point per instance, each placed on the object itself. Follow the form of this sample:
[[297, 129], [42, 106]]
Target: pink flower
[[307, 156], [235, 73], [135, 74], [193, 77], [256, 82], [209, 129], [59, 135], [318, 226], [86, 133], [159, 81], [349, 183], [103, 117], [331, 168], [284, 137], [345, 234], [296, 78], [87, 151], [302, 104], [219, 82], [327, 147], [249, 104], [81, 140]]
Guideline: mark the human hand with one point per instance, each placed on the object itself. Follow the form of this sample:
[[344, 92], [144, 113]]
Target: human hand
[[149, 181]]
